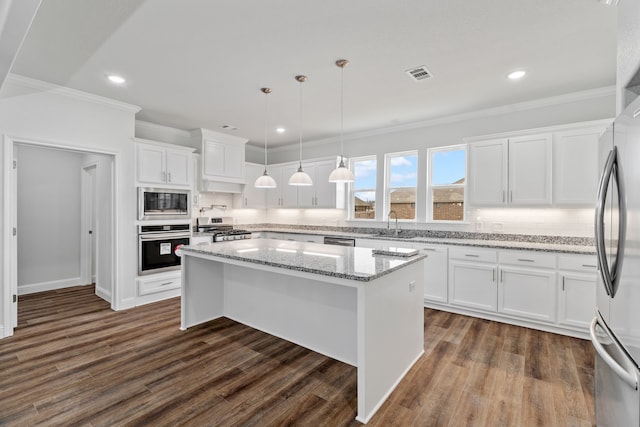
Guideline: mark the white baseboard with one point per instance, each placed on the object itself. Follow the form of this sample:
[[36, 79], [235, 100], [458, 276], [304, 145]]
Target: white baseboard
[[103, 294], [49, 286]]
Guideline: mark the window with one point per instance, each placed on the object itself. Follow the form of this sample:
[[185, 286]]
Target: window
[[364, 187], [447, 182], [402, 180]]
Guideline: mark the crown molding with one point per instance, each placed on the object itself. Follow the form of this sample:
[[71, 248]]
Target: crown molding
[[43, 86], [167, 130], [487, 112]]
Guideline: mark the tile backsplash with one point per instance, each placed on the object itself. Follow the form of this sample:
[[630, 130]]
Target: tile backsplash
[[533, 221]]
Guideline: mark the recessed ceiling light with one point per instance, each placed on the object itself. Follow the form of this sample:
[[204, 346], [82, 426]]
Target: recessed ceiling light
[[516, 75], [113, 78], [281, 130]]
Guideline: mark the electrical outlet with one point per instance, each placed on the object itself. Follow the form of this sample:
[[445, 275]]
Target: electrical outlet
[[412, 286], [498, 227], [478, 226]]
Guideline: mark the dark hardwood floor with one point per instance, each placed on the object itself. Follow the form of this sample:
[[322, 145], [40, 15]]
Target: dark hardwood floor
[[73, 361]]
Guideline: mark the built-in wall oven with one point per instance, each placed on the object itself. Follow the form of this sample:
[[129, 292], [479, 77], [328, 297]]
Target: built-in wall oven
[[157, 244], [162, 203]]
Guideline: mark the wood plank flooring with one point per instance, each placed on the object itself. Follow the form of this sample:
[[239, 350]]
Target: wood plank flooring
[[73, 361]]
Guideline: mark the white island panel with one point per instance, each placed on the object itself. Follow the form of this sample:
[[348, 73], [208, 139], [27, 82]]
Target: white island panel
[[342, 302]]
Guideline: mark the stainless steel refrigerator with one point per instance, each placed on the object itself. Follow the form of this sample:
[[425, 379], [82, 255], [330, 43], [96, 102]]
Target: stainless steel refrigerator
[[615, 330]]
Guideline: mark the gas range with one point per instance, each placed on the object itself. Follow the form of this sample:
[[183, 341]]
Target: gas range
[[222, 232], [224, 236]]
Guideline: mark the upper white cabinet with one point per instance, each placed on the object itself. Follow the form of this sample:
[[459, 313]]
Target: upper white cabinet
[[575, 166], [222, 156], [251, 196], [322, 194], [515, 171], [163, 164], [488, 172], [530, 170]]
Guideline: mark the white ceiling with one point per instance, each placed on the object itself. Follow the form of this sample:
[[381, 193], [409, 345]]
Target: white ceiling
[[201, 63]]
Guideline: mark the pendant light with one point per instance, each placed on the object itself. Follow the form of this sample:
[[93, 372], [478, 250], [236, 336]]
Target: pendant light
[[341, 173], [265, 181], [300, 177]]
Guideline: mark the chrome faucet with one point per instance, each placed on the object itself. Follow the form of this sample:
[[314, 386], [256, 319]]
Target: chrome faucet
[[389, 219]]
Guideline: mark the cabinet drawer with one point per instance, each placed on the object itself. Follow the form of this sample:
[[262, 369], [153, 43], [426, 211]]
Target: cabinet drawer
[[584, 263], [430, 248], [155, 285], [472, 254], [528, 259]]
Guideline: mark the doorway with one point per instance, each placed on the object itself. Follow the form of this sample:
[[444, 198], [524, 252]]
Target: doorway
[[61, 200]]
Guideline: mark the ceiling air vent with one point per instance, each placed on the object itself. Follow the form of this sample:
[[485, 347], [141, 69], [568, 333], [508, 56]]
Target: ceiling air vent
[[419, 73], [228, 127]]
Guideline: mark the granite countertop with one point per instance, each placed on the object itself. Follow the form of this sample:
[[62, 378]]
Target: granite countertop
[[558, 244], [351, 263]]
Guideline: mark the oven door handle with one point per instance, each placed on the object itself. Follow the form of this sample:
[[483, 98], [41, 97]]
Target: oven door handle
[[163, 236]]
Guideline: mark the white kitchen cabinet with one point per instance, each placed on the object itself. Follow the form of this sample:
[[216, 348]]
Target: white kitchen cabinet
[[158, 283], [488, 172], [472, 279], [223, 156], [511, 171], [435, 273], [251, 197], [527, 293], [322, 194], [575, 166], [284, 195], [527, 285], [158, 163], [577, 281]]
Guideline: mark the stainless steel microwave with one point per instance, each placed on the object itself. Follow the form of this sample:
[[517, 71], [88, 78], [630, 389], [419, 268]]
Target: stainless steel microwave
[[160, 203]]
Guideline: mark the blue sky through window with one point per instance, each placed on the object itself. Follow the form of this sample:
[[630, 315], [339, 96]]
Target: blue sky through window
[[448, 166]]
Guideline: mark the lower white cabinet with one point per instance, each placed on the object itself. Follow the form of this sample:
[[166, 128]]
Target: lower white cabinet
[[158, 283], [473, 285], [435, 273], [472, 279], [577, 281], [528, 293]]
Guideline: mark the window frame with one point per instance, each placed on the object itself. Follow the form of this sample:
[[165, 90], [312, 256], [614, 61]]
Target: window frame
[[352, 189], [431, 186], [387, 183]]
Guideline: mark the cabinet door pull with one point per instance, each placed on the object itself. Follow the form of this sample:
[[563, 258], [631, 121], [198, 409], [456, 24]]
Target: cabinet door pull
[[501, 271], [589, 265], [511, 197], [525, 260], [472, 255], [245, 201], [494, 275], [563, 283], [429, 249], [168, 176], [164, 176], [166, 283]]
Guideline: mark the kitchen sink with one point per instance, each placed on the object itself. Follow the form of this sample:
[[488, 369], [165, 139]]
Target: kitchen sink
[[401, 234]]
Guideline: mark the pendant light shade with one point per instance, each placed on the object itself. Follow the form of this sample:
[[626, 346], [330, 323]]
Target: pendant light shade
[[300, 178], [265, 181], [341, 173]]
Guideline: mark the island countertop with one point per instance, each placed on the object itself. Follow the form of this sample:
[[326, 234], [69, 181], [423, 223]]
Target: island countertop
[[351, 263]]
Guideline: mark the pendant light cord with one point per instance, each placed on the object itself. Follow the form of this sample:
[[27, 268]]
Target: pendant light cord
[[341, 114], [266, 109], [300, 129]]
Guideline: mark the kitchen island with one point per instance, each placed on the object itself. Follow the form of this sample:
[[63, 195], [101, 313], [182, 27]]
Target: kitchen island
[[347, 303]]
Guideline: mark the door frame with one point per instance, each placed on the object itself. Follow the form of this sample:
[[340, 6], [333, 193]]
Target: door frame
[[87, 221], [9, 285]]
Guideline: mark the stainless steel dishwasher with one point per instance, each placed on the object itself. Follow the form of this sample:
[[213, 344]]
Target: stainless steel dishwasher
[[339, 241]]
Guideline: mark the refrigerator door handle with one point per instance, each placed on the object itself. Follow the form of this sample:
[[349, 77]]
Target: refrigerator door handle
[[631, 379], [610, 275]]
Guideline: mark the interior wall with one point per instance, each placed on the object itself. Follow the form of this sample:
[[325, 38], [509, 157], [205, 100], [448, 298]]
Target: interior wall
[[49, 197], [37, 111]]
